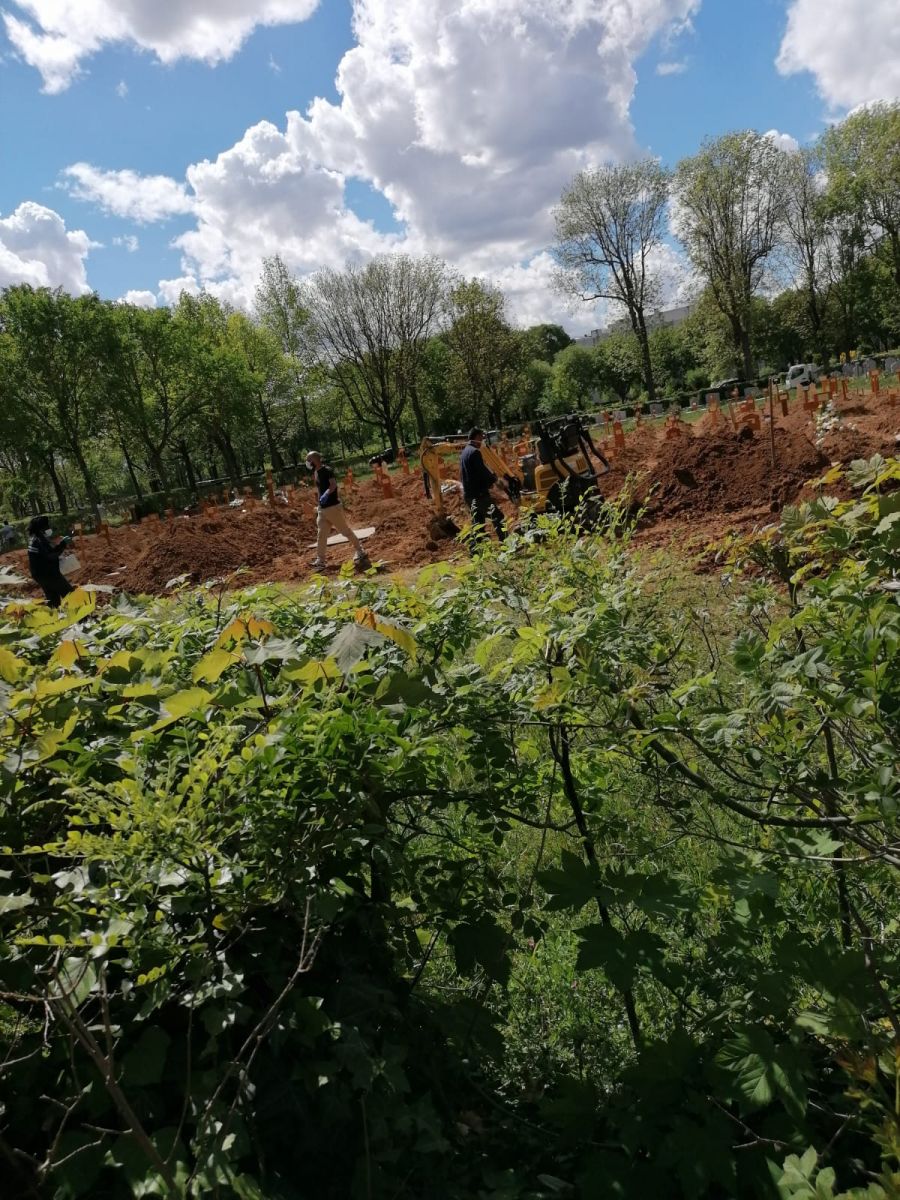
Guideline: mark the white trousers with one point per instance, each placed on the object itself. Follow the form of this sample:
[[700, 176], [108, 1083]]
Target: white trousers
[[334, 520]]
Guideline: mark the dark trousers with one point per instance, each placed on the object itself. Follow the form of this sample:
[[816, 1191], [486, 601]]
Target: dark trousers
[[483, 507], [54, 589]]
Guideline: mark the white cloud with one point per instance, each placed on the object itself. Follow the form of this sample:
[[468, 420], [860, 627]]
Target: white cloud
[[170, 289], [121, 89], [784, 141], [140, 298], [852, 48], [671, 68], [127, 194], [128, 242], [469, 119], [36, 248], [56, 36]]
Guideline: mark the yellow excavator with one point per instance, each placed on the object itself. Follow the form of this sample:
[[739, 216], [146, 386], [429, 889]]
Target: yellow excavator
[[550, 472]]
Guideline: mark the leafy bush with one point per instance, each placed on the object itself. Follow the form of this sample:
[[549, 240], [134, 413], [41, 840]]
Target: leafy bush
[[559, 874]]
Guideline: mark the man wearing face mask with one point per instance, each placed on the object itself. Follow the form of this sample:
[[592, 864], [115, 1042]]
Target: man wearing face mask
[[43, 560], [330, 515]]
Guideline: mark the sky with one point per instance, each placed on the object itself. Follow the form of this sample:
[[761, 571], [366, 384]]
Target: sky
[[153, 146]]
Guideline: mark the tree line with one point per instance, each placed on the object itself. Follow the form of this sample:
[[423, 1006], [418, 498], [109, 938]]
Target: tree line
[[796, 256], [796, 252]]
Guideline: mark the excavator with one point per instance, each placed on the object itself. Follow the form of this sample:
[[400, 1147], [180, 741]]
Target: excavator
[[551, 472]]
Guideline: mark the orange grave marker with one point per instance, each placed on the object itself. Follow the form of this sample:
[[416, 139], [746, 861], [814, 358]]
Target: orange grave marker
[[749, 416], [270, 488], [832, 387], [874, 382], [103, 528], [810, 401], [348, 481], [403, 461], [618, 435], [386, 488], [712, 409]]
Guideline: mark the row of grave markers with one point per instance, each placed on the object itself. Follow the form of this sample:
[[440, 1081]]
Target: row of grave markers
[[742, 413]]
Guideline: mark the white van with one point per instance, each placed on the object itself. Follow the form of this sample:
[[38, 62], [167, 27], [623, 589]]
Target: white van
[[801, 375]]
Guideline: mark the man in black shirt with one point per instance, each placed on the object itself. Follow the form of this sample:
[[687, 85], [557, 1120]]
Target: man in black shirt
[[331, 517], [43, 560], [477, 481]]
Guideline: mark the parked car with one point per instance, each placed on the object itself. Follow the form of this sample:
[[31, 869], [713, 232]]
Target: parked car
[[802, 375], [387, 456], [724, 387]]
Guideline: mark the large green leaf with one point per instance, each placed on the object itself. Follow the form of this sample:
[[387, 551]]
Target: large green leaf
[[760, 1070], [619, 955]]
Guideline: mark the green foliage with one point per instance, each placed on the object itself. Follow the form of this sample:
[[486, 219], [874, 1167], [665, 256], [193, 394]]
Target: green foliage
[[574, 379]]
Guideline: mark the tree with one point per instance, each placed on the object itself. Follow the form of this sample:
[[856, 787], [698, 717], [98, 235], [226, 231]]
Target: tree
[[729, 215], [673, 353], [216, 371], [419, 288], [574, 378], [371, 324], [617, 365], [270, 377], [62, 344], [149, 390], [535, 381], [805, 236], [862, 163], [608, 224], [280, 309], [487, 354], [543, 342]]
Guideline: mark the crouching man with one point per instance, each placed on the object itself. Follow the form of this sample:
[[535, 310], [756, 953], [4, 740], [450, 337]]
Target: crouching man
[[331, 517]]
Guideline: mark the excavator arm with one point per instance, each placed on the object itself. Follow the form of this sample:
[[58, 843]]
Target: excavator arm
[[434, 452]]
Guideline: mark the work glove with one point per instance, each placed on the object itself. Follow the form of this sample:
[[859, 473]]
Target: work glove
[[323, 497]]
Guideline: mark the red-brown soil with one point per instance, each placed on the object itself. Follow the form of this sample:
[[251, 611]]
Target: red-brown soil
[[694, 489]]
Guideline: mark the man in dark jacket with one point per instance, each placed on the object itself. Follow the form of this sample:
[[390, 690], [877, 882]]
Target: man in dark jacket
[[43, 560], [477, 481]]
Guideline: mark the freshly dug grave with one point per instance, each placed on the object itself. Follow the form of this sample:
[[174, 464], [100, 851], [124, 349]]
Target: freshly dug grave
[[693, 489], [256, 543]]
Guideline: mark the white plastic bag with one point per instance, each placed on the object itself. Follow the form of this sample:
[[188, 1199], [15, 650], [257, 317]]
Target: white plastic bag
[[69, 563]]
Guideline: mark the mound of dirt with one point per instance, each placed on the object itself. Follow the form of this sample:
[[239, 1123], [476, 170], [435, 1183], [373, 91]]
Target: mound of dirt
[[724, 472], [694, 488]]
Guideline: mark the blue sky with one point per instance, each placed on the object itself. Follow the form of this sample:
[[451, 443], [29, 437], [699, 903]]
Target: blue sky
[[454, 133]]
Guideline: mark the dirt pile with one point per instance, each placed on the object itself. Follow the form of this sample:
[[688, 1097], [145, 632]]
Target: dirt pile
[[694, 489], [725, 471]]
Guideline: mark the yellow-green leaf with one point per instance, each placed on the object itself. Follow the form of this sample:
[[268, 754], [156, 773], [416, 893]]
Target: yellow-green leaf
[[179, 705], [56, 687], [325, 668], [212, 666], [10, 667]]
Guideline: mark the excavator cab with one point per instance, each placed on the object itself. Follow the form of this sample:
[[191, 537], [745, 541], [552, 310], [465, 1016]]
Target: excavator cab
[[555, 474], [565, 479]]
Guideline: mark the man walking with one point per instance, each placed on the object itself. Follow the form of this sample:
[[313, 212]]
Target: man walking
[[330, 517], [477, 481]]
